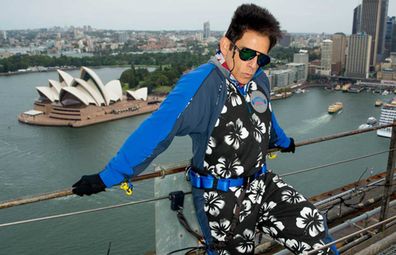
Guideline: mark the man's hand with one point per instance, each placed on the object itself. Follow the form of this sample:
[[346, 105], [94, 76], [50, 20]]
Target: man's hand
[[88, 185], [291, 148]]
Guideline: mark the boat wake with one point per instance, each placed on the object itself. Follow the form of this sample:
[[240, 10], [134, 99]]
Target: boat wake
[[310, 124]]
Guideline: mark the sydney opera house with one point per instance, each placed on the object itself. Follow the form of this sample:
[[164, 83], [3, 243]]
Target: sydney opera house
[[83, 101]]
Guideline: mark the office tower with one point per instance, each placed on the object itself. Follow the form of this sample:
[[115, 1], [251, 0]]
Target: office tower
[[358, 58], [206, 30], [357, 14], [326, 52], [302, 57], [339, 50], [4, 35], [285, 40], [390, 36], [373, 18]]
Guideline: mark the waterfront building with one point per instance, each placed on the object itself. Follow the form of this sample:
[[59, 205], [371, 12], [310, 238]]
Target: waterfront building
[[299, 72], [358, 58], [302, 57], [206, 30], [373, 19], [327, 52], [356, 26], [282, 78], [339, 53]]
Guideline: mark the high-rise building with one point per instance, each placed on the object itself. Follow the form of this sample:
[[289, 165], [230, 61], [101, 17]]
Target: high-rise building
[[327, 53], [358, 58], [285, 40], [206, 30], [4, 35], [373, 18], [339, 50], [357, 15], [390, 36], [302, 57]]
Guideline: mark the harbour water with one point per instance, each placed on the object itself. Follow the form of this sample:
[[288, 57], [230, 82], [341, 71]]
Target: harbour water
[[35, 160]]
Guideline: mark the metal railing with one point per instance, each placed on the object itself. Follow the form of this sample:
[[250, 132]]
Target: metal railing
[[164, 172]]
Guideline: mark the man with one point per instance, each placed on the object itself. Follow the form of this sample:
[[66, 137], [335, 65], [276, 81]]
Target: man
[[224, 107]]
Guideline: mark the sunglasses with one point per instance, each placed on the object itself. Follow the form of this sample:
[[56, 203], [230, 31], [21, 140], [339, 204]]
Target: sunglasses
[[246, 54]]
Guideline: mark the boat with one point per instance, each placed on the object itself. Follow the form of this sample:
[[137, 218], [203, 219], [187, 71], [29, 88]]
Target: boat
[[371, 122], [385, 93], [346, 87], [338, 87], [378, 102], [388, 115], [334, 108]]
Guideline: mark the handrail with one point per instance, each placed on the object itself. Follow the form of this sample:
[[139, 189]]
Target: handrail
[[163, 173]]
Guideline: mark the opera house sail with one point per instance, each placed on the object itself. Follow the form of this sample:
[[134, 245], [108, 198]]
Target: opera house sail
[[83, 101]]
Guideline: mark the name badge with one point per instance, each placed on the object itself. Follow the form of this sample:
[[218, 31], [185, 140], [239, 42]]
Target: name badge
[[258, 101]]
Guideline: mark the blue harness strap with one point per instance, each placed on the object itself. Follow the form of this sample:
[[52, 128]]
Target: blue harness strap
[[223, 184]]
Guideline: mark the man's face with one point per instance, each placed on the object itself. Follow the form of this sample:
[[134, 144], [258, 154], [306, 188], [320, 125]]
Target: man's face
[[243, 71]]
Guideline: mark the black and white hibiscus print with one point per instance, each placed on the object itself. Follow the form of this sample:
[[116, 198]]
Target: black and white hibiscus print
[[237, 133], [272, 226], [213, 203], [292, 197], [233, 95], [247, 243], [256, 191], [211, 145], [311, 221], [296, 246], [225, 168], [259, 128], [219, 229]]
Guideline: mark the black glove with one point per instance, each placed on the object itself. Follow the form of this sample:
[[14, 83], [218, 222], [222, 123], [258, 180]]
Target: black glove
[[291, 148], [88, 185]]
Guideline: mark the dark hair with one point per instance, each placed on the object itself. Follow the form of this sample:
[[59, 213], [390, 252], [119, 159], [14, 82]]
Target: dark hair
[[256, 18]]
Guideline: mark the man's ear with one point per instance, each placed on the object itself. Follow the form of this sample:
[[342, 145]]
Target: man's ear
[[225, 45]]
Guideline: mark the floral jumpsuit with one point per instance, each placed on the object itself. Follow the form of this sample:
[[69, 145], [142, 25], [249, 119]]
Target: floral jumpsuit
[[237, 148]]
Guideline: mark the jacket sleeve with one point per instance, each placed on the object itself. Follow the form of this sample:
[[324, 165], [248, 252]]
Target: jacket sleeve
[[278, 138], [155, 134]]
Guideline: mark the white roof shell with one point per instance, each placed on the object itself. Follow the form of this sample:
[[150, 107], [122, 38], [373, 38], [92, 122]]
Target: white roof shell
[[65, 79], [88, 89], [140, 94]]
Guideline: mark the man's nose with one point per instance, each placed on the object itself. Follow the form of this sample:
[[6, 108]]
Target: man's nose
[[253, 62]]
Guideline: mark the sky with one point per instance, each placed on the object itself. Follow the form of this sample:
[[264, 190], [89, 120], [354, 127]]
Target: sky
[[308, 16]]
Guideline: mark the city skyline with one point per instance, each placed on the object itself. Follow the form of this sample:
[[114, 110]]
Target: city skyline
[[304, 16]]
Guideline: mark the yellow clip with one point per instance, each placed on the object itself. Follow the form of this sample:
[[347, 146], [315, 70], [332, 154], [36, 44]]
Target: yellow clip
[[272, 155], [127, 188]]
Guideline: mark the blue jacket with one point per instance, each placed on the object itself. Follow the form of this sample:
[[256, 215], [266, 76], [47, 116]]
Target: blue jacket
[[192, 108]]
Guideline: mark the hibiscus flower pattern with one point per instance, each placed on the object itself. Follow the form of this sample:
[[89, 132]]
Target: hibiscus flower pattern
[[237, 133], [256, 191], [296, 246], [272, 226], [211, 145], [259, 128], [292, 197], [311, 221], [213, 203], [279, 182], [246, 245], [219, 229], [233, 95], [265, 211], [245, 211], [225, 168]]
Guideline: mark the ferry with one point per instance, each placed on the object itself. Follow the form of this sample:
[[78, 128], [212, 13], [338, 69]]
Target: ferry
[[378, 102], [388, 115], [334, 108]]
